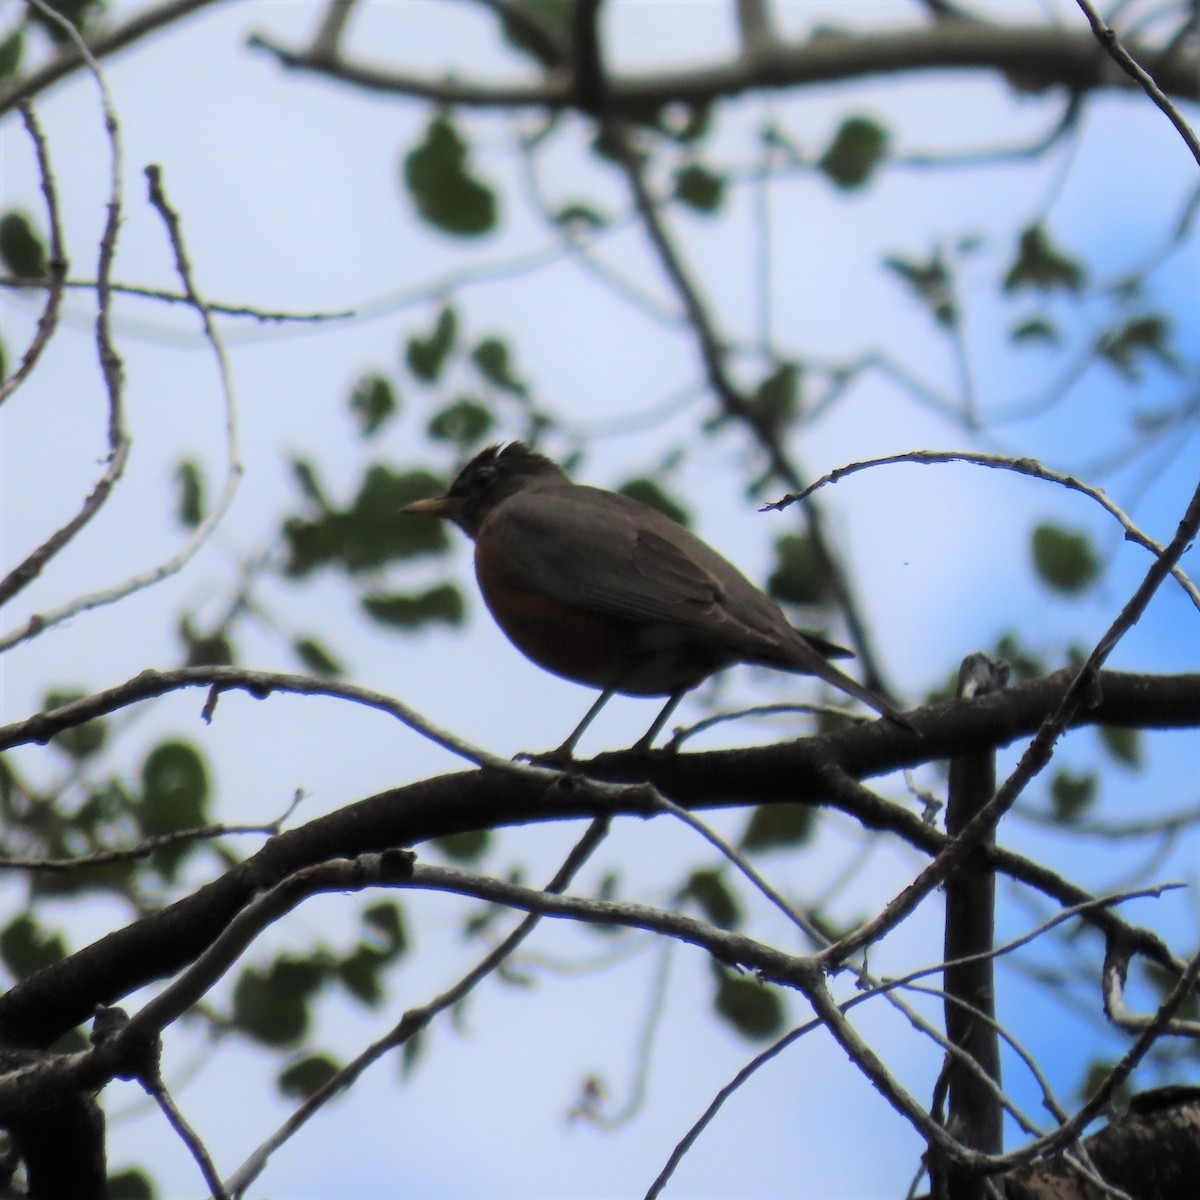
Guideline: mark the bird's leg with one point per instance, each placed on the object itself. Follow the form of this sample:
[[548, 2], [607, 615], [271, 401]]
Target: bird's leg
[[565, 753], [646, 741]]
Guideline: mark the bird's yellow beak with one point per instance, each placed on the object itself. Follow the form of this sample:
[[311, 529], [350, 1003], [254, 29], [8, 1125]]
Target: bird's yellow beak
[[435, 506]]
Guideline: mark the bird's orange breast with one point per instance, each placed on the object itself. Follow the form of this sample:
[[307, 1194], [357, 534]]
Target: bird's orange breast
[[582, 646]]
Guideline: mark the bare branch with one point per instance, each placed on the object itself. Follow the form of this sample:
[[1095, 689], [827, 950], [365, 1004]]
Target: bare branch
[[70, 57], [110, 363], [1128, 64], [42, 621], [732, 401], [265, 315], [416, 1019], [1080, 694], [1003, 462], [149, 684], [190, 1138], [756, 32], [57, 265], [142, 850], [1040, 57], [328, 38]]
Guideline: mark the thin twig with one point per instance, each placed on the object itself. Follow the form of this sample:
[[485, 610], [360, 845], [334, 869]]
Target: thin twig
[[39, 622], [164, 296], [416, 1019], [190, 1138], [1127, 63], [1002, 462], [1036, 757], [71, 56], [56, 266], [110, 362], [142, 850]]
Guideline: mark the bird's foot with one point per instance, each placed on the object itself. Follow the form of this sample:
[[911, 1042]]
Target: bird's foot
[[560, 758], [645, 747]]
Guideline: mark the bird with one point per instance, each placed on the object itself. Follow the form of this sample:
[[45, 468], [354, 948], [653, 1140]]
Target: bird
[[601, 589]]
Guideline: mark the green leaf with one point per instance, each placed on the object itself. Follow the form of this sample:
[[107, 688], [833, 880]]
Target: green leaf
[[372, 532], [439, 180], [1143, 337], [305, 474], [10, 53], [647, 492], [174, 789], [1024, 663], [427, 356], [372, 401], [272, 1006], [753, 1009], [1064, 560], [833, 930], [360, 974], [130, 1184], [189, 506], [205, 649], [1072, 795], [306, 1076], [707, 887], [465, 422], [775, 399], [799, 575], [1034, 330], [442, 603], [386, 920], [317, 659], [26, 947], [468, 846], [493, 360], [1124, 745], [1163, 982], [930, 283], [855, 152], [1040, 265], [699, 188], [410, 1052], [21, 248], [1097, 1072], [774, 825], [546, 37], [80, 741]]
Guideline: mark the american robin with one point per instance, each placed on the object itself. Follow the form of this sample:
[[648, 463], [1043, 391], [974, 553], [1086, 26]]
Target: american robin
[[608, 592]]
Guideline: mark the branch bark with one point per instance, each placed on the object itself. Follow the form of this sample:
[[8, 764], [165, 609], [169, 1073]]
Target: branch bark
[[1032, 59]]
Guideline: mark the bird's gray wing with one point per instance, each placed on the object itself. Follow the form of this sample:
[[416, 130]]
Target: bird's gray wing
[[603, 553]]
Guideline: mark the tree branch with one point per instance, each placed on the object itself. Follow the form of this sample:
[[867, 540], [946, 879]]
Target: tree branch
[[69, 58], [1037, 59], [40, 1008]]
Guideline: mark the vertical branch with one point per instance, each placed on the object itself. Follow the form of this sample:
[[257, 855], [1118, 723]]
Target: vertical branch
[[326, 45], [734, 403], [586, 61], [756, 33], [974, 1115]]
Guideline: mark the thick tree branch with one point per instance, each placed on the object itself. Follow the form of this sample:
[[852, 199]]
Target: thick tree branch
[[40, 1008], [1034, 59]]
